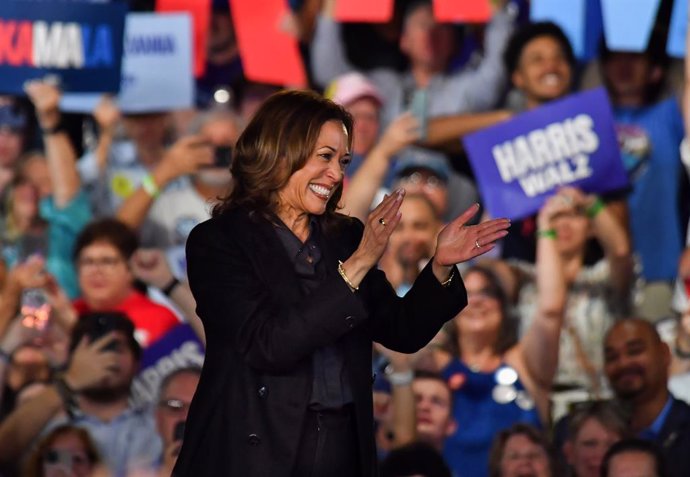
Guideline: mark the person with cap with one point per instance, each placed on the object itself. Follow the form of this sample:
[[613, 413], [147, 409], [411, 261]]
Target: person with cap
[[93, 392], [372, 156]]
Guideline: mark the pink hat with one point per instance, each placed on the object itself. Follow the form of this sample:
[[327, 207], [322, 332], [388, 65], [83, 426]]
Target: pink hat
[[349, 87]]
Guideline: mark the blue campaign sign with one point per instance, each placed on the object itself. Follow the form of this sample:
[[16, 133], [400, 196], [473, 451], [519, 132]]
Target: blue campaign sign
[[81, 43], [675, 45], [580, 20], [628, 23], [179, 348], [521, 162], [158, 47]]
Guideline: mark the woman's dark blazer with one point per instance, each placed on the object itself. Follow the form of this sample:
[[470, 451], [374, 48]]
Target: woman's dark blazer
[[247, 414]]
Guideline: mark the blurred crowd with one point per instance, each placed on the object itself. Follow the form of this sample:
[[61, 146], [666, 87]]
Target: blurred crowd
[[571, 358]]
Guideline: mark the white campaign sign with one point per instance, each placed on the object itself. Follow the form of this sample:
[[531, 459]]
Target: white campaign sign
[[156, 67]]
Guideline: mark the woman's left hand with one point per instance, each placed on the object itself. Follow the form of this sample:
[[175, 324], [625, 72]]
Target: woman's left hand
[[458, 242]]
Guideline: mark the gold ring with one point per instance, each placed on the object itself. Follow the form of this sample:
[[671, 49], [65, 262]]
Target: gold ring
[[382, 222], [476, 242]]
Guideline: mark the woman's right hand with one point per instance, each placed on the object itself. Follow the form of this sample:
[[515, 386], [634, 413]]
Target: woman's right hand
[[381, 222]]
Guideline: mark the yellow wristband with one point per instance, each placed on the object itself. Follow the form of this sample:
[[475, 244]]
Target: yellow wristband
[[149, 185]]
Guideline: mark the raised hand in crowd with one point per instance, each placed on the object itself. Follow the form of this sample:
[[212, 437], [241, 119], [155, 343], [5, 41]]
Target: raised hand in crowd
[[186, 156], [151, 267], [107, 116], [60, 153], [91, 363], [360, 192], [29, 274]]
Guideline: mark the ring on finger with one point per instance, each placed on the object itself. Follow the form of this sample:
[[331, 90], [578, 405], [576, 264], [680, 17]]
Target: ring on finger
[[476, 243], [382, 221]]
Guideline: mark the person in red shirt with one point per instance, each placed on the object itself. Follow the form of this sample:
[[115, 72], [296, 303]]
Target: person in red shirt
[[102, 253]]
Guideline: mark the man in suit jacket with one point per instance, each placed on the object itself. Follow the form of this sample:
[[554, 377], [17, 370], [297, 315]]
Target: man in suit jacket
[[636, 364]]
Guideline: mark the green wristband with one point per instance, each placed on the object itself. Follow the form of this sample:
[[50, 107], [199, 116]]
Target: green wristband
[[596, 207], [548, 233]]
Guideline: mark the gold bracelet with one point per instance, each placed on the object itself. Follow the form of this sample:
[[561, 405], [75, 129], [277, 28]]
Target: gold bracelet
[[450, 278], [341, 270]]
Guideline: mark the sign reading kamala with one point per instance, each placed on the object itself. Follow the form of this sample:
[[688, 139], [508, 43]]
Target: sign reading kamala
[[79, 42], [567, 142]]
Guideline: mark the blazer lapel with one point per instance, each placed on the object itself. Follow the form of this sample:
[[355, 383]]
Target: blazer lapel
[[268, 254]]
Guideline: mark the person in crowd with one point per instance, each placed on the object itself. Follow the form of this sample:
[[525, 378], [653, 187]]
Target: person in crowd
[[416, 458], [93, 392], [412, 243], [592, 430], [146, 156], [176, 392], [290, 298], [433, 409], [520, 450], [650, 130], [496, 380], [102, 254], [66, 451], [46, 205], [166, 220], [675, 332], [15, 136], [540, 62], [636, 365], [634, 458], [597, 294], [429, 46]]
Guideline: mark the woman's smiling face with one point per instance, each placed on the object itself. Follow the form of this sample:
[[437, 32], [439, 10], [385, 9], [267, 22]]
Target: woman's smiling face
[[309, 189]]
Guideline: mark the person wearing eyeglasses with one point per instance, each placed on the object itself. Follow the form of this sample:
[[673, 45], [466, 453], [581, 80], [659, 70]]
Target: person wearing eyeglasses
[[102, 254], [176, 392]]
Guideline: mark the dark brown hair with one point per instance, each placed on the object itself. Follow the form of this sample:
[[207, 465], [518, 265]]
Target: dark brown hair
[[276, 143], [499, 444], [34, 464], [110, 231], [507, 331]]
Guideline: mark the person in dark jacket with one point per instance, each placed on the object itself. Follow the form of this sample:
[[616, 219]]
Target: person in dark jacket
[[291, 299], [636, 363]]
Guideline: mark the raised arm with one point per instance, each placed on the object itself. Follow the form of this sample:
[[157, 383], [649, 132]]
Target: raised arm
[[151, 267], [107, 116], [481, 88], [328, 59], [186, 156], [539, 346], [612, 236], [360, 192], [60, 154]]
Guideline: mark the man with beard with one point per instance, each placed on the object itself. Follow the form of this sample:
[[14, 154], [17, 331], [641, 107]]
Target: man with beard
[[92, 393], [636, 364]]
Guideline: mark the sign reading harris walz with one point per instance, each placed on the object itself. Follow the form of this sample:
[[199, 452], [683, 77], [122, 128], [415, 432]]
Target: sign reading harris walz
[[79, 42], [569, 142]]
